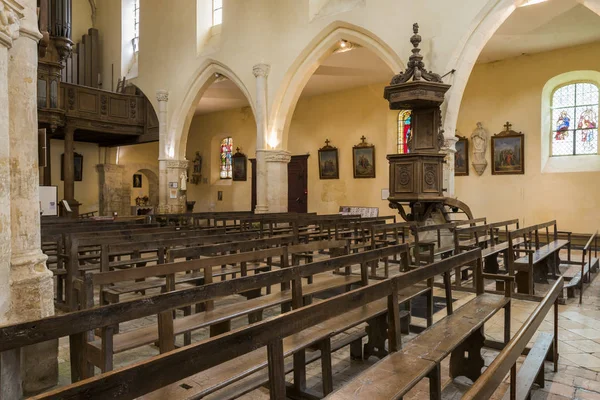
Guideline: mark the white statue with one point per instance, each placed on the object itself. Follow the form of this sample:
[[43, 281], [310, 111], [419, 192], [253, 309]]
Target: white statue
[[183, 179], [480, 139]]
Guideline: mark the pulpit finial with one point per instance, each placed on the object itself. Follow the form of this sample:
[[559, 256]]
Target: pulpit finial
[[415, 68]]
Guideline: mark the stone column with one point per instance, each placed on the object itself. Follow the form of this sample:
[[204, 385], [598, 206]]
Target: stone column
[[449, 150], [170, 172], [10, 374], [163, 189], [277, 179], [69, 171], [261, 72], [115, 192], [31, 285]]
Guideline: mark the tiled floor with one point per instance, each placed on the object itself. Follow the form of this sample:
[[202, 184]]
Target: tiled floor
[[578, 366]]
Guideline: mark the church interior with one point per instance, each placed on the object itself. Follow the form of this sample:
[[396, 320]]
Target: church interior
[[299, 199]]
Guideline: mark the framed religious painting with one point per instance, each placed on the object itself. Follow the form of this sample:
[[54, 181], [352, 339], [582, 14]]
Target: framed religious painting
[[239, 163], [461, 157], [328, 162], [363, 159], [508, 152], [137, 180]]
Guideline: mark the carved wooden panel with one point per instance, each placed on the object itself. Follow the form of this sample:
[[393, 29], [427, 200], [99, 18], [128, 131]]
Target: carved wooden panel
[[118, 107], [403, 178], [423, 122], [431, 179], [87, 102]]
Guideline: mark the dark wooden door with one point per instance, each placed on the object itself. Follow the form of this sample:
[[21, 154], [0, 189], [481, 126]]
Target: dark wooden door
[[297, 184]]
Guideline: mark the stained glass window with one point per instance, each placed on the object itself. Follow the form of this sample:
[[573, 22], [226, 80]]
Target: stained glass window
[[217, 12], [575, 120], [404, 131], [136, 26], [225, 159]]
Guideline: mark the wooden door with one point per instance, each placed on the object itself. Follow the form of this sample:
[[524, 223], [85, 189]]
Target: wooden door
[[297, 184]]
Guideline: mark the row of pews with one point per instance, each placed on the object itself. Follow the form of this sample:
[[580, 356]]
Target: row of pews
[[298, 288]]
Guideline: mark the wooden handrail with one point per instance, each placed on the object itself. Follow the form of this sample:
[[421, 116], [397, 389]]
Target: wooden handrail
[[493, 376]]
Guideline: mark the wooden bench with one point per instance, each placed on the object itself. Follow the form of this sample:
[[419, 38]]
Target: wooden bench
[[485, 237], [532, 369], [318, 324], [539, 259], [588, 264], [217, 319], [78, 324], [459, 335]]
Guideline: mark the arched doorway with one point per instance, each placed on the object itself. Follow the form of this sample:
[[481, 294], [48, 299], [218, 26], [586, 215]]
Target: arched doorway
[[144, 191]]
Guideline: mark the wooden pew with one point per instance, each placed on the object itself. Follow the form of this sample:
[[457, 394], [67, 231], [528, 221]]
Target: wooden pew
[[73, 243], [539, 259], [532, 369], [588, 264], [485, 237], [459, 335], [78, 324], [282, 336]]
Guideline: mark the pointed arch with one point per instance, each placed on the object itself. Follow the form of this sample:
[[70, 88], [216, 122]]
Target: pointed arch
[[177, 135], [321, 47]]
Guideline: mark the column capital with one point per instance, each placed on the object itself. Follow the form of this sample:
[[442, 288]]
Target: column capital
[[280, 156], [162, 95], [261, 70], [449, 143], [11, 14]]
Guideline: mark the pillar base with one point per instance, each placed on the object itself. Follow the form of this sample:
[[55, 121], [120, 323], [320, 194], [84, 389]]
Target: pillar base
[[32, 294], [171, 175]]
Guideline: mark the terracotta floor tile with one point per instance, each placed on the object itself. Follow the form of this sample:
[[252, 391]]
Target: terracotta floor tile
[[583, 360]]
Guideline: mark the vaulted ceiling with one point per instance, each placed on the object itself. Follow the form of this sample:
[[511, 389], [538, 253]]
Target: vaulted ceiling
[[545, 26]]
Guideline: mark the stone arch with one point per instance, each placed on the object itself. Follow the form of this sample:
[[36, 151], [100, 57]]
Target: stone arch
[[177, 135], [321, 47], [487, 22], [151, 172]]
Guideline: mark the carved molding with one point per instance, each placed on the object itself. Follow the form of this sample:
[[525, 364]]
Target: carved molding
[[162, 95], [280, 156], [261, 70], [11, 14], [177, 164]]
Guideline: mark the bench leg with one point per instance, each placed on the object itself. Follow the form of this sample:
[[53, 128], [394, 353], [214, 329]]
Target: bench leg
[[435, 383], [541, 376], [326, 368], [491, 265], [524, 282], [377, 335], [300, 371], [466, 359], [187, 337], [220, 328], [356, 350]]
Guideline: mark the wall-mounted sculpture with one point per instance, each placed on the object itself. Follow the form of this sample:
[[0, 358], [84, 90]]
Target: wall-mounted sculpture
[[479, 139]]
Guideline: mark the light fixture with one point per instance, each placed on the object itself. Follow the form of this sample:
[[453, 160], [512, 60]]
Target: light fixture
[[344, 46], [532, 2]]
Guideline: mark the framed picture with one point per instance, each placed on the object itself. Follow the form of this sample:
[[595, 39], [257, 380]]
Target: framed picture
[[461, 157], [77, 167], [173, 185], [220, 195], [328, 162], [508, 152], [239, 163], [363, 159], [137, 180]]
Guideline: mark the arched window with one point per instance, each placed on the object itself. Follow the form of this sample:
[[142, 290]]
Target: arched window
[[217, 12], [136, 26], [575, 119], [404, 130], [225, 158]]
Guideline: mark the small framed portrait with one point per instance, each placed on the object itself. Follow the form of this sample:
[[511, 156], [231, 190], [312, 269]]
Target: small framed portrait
[[239, 163], [137, 180], [363, 159], [461, 157], [77, 167], [173, 185], [328, 162], [220, 195], [508, 152]]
